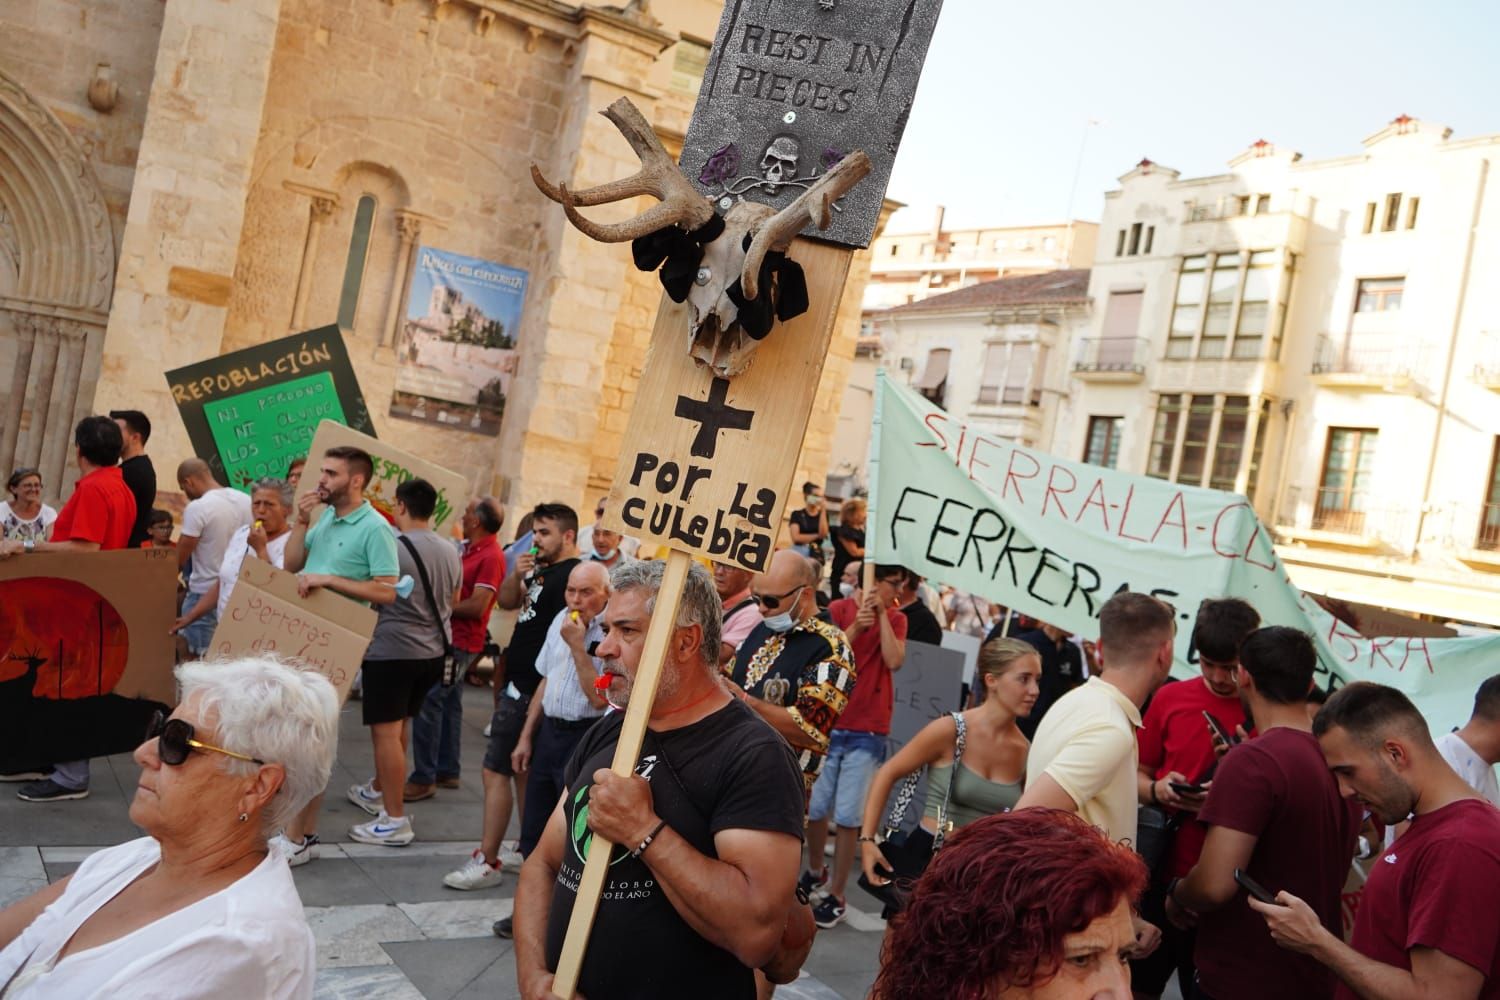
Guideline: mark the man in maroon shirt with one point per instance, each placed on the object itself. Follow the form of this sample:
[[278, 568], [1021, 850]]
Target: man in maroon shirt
[[856, 747], [436, 730], [1426, 926], [1176, 747], [98, 516], [1275, 812]]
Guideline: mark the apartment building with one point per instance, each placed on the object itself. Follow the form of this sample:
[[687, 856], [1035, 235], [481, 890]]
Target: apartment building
[[1322, 337]]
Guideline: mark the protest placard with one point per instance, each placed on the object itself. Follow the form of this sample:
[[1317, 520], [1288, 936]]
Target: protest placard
[[926, 688], [456, 356], [323, 631], [85, 652], [392, 468], [1054, 539], [249, 413]]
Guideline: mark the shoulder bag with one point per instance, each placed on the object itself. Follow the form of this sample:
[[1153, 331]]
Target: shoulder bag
[[437, 617]]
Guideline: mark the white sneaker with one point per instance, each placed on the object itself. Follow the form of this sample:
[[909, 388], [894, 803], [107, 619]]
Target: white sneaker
[[367, 798], [510, 854], [295, 854], [476, 873], [384, 831]]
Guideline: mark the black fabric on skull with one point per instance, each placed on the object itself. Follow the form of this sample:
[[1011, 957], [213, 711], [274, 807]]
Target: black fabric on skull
[[783, 294], [677, 253]]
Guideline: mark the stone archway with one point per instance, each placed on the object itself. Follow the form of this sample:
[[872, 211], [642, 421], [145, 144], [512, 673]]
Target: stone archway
[[59, 257]]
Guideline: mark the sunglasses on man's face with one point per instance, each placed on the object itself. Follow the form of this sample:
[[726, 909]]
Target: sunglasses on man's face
[[771, 600], [174, 741]]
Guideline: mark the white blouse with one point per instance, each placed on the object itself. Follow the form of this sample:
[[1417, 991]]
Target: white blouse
[[250, 939]]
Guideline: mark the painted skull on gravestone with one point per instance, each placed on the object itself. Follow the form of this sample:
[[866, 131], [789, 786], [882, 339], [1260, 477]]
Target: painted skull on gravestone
[[731, 260], [779, 164]]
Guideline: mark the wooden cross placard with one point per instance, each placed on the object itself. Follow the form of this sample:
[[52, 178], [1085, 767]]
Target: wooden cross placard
[[800, 103]]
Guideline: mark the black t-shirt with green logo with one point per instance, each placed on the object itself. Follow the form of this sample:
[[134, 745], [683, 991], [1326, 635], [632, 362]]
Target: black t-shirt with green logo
[[729, 771], [546, 595]]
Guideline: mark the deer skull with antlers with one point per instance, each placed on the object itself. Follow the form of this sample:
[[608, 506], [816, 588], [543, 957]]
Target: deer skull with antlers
[[719, 266]]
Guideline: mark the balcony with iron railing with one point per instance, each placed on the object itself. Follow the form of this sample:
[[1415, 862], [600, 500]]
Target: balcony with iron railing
[[1337, 516], [1111, 359], [1228, 226], [1386, 361]]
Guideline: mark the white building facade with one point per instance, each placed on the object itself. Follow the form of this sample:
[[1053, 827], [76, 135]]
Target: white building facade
[[1323, 337]]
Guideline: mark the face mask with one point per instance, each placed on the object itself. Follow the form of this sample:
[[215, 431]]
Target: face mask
[[847, 589], [604, 556], [812, 501], [781, 623]]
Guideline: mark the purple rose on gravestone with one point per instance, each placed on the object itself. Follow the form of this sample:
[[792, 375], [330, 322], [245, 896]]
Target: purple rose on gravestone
[[831, 158], [721, 165]]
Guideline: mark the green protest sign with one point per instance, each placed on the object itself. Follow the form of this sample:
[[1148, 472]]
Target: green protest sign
[[1054, 539], [250, 412], [260, 432]]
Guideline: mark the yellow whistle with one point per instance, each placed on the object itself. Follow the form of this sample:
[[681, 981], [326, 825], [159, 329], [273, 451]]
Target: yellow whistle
[[259, 525], [573, 615]]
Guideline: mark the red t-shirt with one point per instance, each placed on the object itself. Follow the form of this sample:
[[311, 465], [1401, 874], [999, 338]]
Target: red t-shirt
[[870, 704], [101, 509], [1436, 888], [484, 565], [1175, 737], [1277, 787]]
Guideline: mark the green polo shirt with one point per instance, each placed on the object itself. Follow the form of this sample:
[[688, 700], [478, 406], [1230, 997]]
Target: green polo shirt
[[357, 546]]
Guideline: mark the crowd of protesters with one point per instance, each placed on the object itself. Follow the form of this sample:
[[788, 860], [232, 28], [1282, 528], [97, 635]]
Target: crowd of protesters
[[1089, 828]]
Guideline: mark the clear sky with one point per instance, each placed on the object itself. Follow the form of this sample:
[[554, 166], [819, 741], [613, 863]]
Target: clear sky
[[1009, 87]]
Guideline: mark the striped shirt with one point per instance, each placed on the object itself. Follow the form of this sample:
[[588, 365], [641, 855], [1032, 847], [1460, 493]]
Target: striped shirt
[[564, 699]]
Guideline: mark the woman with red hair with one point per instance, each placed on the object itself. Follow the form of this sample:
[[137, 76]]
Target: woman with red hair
[[1030, 904]]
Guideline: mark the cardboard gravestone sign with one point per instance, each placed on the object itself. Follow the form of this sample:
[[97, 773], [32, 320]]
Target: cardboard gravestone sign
[[791, 88], [323, 631], [85, 654], [392, 468], [249, 413], [927, 687]]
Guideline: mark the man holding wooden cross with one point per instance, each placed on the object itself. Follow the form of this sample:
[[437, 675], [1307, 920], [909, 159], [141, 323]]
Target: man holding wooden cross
[[713, 814]]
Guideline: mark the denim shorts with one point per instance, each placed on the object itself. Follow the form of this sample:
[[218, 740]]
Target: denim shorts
[[201, 632], [853, 758], [505, 732]]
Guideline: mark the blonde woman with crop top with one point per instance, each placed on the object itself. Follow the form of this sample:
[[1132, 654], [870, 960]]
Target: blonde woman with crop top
[[989, 778]]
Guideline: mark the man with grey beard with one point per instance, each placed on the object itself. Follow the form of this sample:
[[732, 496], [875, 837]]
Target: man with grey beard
[[712, 813]]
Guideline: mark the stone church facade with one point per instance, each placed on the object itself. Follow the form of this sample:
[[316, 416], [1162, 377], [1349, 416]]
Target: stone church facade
[[183, 178]]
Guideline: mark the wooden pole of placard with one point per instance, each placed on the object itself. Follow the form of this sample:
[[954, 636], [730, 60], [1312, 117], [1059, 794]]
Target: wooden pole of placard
[[827, 267]]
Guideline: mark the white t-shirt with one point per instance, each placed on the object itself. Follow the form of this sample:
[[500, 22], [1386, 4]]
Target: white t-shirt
[[234, 558], [1471, 767], [1086, 743], [36, 529], [212, 519], [248, 940]]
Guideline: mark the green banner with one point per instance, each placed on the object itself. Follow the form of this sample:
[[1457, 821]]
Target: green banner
[[260, 432], [1054, 539]]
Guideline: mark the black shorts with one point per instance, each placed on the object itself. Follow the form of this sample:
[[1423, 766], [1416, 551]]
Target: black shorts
[[505, 732], [394, 689]]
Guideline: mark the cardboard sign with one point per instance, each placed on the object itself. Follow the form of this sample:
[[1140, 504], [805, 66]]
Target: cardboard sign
[[1055, 538], [85, 654], [927, 687], [791, 88], [249, 413], [323, 631], [706, 464], [392, 468], [456, 356]]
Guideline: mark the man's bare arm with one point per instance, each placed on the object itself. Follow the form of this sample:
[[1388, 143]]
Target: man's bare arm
[[1048, 794], [533, 905]]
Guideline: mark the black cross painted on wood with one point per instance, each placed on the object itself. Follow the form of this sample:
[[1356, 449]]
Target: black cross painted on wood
[[715, 414]]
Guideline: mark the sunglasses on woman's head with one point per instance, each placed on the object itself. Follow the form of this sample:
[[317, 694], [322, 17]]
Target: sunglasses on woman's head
[[174, 741]]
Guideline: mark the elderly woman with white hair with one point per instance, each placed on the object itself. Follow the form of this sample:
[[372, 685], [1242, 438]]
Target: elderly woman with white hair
[[201, 906]]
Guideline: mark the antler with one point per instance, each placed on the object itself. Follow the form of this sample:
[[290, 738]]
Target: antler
[[813, 205], [680, 201]]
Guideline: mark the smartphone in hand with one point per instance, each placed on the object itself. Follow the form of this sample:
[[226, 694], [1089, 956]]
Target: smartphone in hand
[[1218, 728], [1253, 887], [1187, 788]]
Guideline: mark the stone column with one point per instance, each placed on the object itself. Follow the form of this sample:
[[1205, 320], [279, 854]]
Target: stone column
[[321, 205], [409, 228], [15, 403], [187, 204], [546, 443]]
